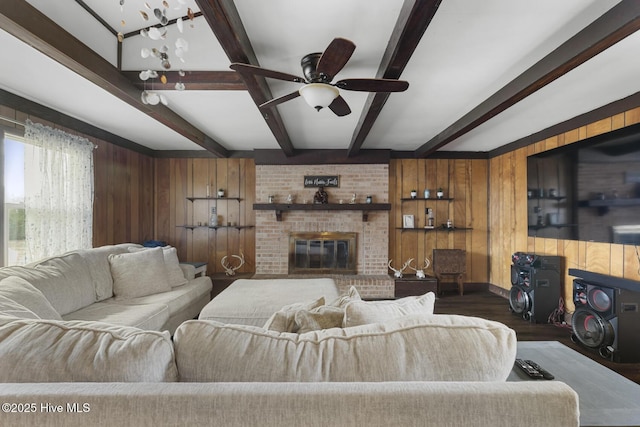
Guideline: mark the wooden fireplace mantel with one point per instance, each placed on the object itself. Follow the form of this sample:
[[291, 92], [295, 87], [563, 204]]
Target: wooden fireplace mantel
[[279, 208]]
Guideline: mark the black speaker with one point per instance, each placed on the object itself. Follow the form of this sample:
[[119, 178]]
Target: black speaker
[[536, 289], [607, 320]]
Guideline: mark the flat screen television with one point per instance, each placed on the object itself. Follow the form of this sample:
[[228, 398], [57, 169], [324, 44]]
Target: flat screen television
[[589, 190]]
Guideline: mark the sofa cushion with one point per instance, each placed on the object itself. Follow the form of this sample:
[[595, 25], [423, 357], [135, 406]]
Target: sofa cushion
[[363, 312], [177, 299], [150, 317], [137, 274], [60, 351], [175, 275], [284, 320], [412, 348], [98, 261], [10, 308], [64, 280], [28, 296]]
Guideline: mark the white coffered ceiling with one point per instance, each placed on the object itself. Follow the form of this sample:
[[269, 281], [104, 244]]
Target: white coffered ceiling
[[468, 52]]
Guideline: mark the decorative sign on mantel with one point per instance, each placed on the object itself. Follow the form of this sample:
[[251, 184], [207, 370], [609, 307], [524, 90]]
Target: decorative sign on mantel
[[321, 181]]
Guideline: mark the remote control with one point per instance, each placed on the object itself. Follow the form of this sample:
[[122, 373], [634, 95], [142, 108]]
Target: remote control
[[528, 369], [545, 374]]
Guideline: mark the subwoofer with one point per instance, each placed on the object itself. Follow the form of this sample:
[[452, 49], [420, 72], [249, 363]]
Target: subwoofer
[[607, 319], [536, 286]]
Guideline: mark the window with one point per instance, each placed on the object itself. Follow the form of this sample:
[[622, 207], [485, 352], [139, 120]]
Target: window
[[48, 194], [14, 225]]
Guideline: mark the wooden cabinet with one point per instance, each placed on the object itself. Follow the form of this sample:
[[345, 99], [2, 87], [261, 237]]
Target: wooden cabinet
[[406, 286]]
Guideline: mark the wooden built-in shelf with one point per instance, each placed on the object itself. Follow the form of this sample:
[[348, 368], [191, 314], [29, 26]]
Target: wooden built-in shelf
[[434, 199], [279, 208], [441, 228], [238, 227], [191, 199]]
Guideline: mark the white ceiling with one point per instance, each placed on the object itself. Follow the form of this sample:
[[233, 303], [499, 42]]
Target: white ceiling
[[469, 51]]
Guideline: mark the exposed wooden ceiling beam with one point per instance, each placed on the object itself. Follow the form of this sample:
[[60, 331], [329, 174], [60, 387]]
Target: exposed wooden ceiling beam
[[193, 80], [224, 20], [414, 18], [28, 24], [616, 24]]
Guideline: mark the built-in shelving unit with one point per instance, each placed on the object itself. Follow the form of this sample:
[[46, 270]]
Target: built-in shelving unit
[[280, 208], [194, 226]]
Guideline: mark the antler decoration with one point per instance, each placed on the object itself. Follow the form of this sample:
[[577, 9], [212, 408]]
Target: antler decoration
[[228, 269], [398, 273], [420, 272]]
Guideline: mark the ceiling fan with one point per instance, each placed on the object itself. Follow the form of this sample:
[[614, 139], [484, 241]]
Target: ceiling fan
[[319, 69]]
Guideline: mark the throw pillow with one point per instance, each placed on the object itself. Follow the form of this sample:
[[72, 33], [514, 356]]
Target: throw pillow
[[175, 274], [25, 294], [138, 274], [76, 351], [319, 318], [364, 312], [343, 300], [284, 320]]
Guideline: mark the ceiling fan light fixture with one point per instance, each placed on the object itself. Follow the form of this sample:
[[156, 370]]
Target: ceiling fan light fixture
[[319, 95]]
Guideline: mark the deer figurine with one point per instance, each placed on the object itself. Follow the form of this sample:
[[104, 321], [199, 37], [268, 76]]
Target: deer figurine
[[228, 269], [398, 273], [420, 272]]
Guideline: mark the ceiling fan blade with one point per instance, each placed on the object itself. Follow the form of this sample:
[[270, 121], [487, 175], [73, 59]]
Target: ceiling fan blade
[[373, 85], [252, 69], [280, 100], [335, 57], [339, 107]]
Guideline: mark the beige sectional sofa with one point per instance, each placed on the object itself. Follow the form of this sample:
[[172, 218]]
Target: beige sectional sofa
[[122, 284], [412, 369]]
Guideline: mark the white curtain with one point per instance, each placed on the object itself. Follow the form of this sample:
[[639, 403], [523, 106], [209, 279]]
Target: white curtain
[[58, 199]]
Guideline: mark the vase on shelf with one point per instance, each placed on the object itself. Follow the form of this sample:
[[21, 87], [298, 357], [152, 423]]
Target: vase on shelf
[[440, 193], [220, 192], [213, 220], [427, 193], [414, 194]]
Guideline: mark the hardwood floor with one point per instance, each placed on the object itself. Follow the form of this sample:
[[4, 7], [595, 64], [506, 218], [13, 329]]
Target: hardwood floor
[[491, 306]]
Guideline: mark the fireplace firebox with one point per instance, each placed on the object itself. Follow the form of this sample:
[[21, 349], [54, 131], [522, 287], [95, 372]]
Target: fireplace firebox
[[322, 253]]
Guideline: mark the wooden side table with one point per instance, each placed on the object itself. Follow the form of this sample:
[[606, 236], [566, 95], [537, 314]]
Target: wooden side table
[[413, 286]]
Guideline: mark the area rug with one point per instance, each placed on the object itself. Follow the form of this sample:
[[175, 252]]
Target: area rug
[[606, 397]]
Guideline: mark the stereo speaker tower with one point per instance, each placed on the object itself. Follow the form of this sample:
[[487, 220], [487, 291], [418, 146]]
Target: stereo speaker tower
[[607, 315], [536, 286]]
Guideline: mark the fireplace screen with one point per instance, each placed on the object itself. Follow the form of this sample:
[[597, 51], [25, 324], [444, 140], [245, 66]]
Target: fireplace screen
[[322, 253]]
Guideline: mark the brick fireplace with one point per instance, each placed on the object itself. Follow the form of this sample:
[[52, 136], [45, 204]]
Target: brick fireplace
[[372, 235]]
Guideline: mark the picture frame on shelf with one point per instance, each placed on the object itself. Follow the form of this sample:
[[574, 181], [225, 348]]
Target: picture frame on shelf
[[408, 221]]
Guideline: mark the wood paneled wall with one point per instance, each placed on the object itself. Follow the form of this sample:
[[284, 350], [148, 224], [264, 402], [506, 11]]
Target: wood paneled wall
[[177, 179], [123, 198], [123, 188], [508, 216], [466, 181]]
